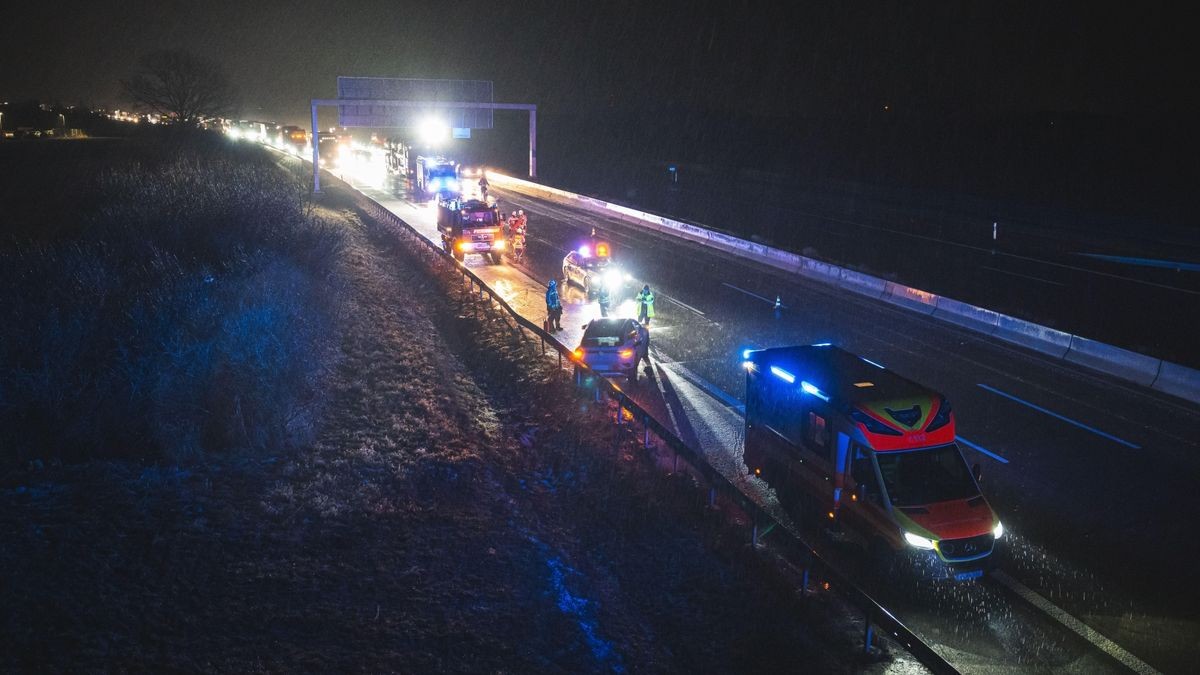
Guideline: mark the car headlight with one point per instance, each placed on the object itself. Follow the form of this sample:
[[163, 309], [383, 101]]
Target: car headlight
[[612, 278], [917, 541], [998, 531]]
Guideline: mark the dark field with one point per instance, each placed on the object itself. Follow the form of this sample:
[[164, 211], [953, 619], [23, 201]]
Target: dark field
[[243, 432]]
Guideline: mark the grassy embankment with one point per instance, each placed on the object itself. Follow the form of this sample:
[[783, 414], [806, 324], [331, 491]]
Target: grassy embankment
[[451, 505]]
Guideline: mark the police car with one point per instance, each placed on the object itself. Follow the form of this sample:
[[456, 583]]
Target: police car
[[614, 347], [591, 266]]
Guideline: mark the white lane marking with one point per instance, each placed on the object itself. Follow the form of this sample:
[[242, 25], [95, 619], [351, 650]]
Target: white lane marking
[[703, 384], [1075, 625], [753, 295], [683, 305], [1023, 276], [1064, 418], [982, 449]]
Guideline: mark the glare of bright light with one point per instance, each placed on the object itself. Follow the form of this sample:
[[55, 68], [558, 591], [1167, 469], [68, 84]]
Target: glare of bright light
[[998, 531], [585, 251], [746, 354], [917, 541], [433, 131], [812, 389], [612, 278]]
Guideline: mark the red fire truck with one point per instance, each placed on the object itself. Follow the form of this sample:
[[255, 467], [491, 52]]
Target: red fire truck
[[867, 453]]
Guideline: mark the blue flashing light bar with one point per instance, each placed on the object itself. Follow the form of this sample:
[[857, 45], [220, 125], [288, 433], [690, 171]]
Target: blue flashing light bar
[[812, 389], [783, 374], [746, 354], [822, 344]]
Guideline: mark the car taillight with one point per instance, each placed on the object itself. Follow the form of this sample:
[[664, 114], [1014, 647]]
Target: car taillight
[[462, 245], [578, 354], [626, 353]]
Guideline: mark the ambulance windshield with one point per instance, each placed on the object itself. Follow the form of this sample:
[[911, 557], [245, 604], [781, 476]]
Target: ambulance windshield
[[926, 476]]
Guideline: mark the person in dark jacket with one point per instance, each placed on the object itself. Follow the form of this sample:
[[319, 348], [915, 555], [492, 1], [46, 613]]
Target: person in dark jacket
[[553, 308], [604, 299]]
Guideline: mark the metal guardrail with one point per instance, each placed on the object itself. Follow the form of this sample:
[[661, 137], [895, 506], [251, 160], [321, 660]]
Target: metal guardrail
[[719, 487]]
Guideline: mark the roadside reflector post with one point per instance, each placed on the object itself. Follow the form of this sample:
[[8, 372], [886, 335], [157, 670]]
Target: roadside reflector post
[[712, 496], [646, 431], [620, 402], [754, 533], [804, 581], [868, 635]]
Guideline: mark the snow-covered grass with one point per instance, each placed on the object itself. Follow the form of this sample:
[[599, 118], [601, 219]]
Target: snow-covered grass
[[186, 307], [460, 508]]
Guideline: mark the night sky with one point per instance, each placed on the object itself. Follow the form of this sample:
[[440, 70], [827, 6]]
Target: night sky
[[816, 59]]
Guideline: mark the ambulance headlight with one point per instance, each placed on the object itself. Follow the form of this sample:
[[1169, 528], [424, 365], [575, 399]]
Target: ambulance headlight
[[917, 541], [998, 530], [612, 278]]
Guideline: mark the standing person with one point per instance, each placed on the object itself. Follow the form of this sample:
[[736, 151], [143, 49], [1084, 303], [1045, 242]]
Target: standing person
[[553, 308], [483, 186], [645, 301], [604, 299]]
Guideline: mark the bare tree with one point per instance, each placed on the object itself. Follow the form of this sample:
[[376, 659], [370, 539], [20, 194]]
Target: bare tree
[[180, 86]]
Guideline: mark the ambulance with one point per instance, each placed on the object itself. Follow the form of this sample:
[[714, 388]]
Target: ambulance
[[869, 455]]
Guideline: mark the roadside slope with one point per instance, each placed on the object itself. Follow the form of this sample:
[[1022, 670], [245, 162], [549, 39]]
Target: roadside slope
[[461, 509]]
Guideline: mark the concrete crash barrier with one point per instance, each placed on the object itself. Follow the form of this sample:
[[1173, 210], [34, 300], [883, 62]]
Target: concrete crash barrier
[[1106, 358], [1034, 336], [864, 284], [1141, 369], [967, 316], [1178, 380], [912, 298]]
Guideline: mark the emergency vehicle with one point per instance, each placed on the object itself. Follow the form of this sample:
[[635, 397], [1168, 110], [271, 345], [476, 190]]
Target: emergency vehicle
[[471, 226], [870, 454], [437, 176], [591, 266]]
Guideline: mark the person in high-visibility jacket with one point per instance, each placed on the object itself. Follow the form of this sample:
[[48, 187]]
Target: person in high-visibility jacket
[[645, 302]]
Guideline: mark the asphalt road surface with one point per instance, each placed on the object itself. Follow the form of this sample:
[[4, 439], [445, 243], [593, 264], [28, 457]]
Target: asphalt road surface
[[1092, 477]]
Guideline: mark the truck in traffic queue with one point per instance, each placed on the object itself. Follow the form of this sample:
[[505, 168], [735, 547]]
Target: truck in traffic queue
[[396, 157], [869, 455], [294, 138], [471, 226], [437, 176]]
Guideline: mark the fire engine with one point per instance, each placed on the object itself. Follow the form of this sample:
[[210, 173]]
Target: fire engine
[[869, 454], [471, 226]]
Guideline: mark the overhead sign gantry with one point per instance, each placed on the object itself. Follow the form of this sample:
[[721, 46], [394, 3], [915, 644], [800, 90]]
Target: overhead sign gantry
[[391, 102]]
